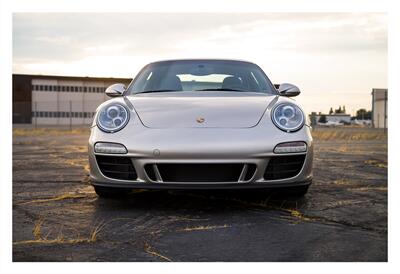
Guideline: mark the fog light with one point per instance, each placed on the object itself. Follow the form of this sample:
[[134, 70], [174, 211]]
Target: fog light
[[291, 147], [111, 148]]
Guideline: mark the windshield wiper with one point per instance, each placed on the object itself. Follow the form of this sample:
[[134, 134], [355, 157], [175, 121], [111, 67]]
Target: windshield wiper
[[156, 90], [222, 89]]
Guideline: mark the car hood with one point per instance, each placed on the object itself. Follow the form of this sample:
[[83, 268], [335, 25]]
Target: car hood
[[200, 109]]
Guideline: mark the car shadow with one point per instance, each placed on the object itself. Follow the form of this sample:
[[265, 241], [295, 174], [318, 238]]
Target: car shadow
[[201, 200]]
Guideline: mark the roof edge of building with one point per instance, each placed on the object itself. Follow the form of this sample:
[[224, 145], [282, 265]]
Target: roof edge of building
[[64, 77]]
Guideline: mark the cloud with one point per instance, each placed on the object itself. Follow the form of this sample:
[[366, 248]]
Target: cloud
[[77, 35], [320, 52]]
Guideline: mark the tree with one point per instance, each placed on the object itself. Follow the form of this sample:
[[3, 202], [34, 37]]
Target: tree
[[322, 119], [363, 114], [344, 109], [331, 111]]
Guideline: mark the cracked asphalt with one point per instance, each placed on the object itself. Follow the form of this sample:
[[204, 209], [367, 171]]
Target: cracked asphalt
[[58, 217]]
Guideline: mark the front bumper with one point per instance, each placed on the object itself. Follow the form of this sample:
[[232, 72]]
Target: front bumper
[[200, 146]]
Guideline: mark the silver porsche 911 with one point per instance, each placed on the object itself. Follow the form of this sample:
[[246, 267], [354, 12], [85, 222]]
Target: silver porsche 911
[[200, 124]]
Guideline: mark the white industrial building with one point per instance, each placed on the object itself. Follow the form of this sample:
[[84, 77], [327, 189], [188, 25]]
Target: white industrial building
[[379, 108], [58, 100], [336, 118]]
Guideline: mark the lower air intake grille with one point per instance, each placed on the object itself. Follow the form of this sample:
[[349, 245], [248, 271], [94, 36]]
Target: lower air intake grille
[[116, 167], [226, 172], [283, 167]]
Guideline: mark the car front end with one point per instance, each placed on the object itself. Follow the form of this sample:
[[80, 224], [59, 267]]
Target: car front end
[[200, 140]]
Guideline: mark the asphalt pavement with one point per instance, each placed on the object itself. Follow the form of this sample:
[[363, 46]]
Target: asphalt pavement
[[58, 217]]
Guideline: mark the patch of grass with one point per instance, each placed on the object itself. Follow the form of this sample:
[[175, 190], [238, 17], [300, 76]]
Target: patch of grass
[[298, 215], [149, 249], [95, 231], [79, 163], [58, 198], [208, 227], [37, 229], [370, 188], [341, 182], [60, 239], [376, 163], [348, 134], [80, 193], [341, 203], [21, 132]]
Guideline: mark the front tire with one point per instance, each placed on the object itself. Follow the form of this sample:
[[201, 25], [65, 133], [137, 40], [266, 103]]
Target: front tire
[[110, 192]]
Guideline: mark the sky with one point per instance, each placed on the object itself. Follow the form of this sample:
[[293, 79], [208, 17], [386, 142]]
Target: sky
[[334, 58]]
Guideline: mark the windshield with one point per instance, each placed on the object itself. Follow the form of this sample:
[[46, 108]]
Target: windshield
[[201, 75]]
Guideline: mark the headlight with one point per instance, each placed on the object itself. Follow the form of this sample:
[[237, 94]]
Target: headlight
[[288, 117], [112, 118]]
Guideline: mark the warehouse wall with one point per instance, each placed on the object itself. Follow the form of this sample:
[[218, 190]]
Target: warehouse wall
[[53, 100]]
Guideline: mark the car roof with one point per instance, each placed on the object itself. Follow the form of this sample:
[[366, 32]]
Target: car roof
[[202, 59]]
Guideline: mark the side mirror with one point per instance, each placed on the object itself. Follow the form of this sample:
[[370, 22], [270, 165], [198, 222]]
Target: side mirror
[[115, 90], [288, 90]]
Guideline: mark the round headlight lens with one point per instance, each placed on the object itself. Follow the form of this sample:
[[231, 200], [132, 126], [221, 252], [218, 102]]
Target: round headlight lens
[[112, 118], [288, 117]]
